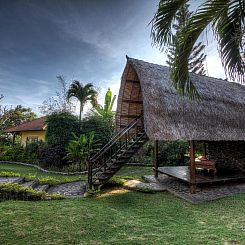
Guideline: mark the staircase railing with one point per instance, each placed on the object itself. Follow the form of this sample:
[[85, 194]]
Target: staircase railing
[[121, 141]]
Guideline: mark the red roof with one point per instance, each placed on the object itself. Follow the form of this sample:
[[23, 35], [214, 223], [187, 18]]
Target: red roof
[[34, 125]]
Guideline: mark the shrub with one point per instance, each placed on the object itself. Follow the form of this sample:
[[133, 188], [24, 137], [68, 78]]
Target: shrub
[[9, 174], [170, 153], [60, 128], [59, 132], [12, 153], [14, 191], [173, 153], [102, 126], [52, 156], [18, 153]]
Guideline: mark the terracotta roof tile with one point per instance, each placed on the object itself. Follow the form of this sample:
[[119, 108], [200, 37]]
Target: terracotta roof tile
[[34, 125]]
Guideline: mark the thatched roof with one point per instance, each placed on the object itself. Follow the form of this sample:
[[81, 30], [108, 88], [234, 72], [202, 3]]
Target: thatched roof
[[219, 115], [34, 125]]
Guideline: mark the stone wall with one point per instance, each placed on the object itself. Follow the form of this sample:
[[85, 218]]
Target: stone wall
[[230, 155]]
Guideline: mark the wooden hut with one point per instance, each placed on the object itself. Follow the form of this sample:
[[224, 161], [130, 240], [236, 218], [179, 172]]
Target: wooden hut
[[217, 118]]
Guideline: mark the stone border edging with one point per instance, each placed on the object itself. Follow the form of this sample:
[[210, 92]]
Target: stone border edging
[[42, 169], [64, 173]]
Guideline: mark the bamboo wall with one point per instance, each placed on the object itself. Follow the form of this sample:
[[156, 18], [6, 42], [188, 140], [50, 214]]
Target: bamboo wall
[[130, 103]]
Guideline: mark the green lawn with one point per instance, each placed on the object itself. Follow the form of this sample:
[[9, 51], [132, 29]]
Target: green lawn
[[31, 173], [123, 217], [134, 172], [120, 216]]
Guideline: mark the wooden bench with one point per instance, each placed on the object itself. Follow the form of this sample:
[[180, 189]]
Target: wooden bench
[[205, 164]]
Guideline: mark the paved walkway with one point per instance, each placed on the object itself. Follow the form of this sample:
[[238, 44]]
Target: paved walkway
[[152, 186], [162, 183], [10, 180], [203, 194], [73, 189]]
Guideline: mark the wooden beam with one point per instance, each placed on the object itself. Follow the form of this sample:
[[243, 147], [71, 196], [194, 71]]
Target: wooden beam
[[133, 101], [192, 167], [132, 81], [156, 163]]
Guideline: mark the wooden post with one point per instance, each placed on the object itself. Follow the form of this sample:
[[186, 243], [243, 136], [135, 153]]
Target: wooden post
[[13, 142], [192, 167], [90, 173], [204, 150], [156, 158]]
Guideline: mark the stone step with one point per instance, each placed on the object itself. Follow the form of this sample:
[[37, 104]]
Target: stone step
[[30, 184], [41, 188], [17, 180]]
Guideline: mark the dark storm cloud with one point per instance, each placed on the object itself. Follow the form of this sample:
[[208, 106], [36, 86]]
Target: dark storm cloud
[[86, 40]]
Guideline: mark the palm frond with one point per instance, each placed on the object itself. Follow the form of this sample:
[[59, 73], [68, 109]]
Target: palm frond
[[228, 28], [163, 21], [186, 40]]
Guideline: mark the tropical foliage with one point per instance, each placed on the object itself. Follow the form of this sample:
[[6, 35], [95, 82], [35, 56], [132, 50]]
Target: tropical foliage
[[197, 57], [103, 127], [108, 105], [58, 135], [83, 93], [227, 21], [10, 117], [80, 149]]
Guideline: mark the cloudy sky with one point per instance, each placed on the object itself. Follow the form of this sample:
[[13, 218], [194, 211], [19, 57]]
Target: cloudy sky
[[80, 39]]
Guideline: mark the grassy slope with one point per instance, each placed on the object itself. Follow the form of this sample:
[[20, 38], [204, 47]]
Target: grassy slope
[[31, 172], [123, 217], [24, 171]]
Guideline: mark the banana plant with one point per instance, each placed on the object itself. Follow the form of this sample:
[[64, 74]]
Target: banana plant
[[108, 104], [81, 148]]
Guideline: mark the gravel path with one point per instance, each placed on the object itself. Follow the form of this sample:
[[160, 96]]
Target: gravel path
[[73, 189]]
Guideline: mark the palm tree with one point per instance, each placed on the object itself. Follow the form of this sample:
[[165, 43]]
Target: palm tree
[[227, 19], [83, 93]]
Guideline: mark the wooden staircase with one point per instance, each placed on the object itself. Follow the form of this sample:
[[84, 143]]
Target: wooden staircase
[[105, 163]]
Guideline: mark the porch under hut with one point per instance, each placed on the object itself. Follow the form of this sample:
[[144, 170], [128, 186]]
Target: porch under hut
[[216, 121]]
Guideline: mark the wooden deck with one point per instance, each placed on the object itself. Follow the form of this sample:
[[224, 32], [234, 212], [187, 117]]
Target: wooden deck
[[183, 173]]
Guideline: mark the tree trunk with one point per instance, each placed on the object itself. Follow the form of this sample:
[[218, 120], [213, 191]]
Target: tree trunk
[[80, 113]]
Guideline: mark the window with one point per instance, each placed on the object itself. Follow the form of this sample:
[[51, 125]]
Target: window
[[31, 139]]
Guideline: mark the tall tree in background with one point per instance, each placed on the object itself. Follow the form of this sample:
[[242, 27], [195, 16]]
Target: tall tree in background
[[3, 115], [197, 57], [83, 93], [58, 103], [10, 117], [227, 21], [18, 115]]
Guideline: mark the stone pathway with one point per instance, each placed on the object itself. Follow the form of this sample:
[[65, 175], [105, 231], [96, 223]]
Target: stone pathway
[[73, 189], [162, 183], [203, 194], [11, 180], [152, 186]]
